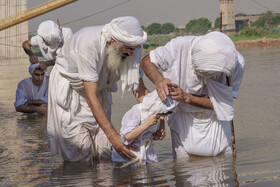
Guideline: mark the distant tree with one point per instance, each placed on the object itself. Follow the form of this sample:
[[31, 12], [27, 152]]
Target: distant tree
[[144, 28], [154, 28], [167, 28], [253, 32], [264, 20], [240, 14], [217, 23], [198, 26], [274, 21]]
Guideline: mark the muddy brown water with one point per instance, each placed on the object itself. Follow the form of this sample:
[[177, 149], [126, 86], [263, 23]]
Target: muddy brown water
[[25, 159]]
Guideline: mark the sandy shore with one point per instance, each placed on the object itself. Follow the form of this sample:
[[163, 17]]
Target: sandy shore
[[264, 43]]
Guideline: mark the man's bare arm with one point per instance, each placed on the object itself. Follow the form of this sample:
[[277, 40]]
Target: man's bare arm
[[156, 77], [91, 89], [27, 49], [141, 92], [178, 94], [29, 108]]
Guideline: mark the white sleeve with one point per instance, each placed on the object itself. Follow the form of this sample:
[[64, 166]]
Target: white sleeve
[[130, 121], [21, 95], [237, 76], [88, 60], [36, 40], [67, 33], [162, 56]]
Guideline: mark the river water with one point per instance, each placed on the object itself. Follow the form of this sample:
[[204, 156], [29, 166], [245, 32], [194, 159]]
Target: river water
[[25, 159]]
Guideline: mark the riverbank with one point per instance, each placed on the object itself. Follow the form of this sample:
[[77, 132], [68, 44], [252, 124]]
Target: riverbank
[[264, 43]]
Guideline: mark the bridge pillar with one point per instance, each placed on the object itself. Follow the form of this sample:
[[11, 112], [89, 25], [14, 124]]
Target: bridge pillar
[[12, 37]]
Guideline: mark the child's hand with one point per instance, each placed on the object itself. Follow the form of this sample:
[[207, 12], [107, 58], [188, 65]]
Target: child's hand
[[152, 119], [159, 134]]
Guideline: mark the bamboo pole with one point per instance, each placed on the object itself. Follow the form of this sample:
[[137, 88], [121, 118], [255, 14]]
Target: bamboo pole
[[32, 12]]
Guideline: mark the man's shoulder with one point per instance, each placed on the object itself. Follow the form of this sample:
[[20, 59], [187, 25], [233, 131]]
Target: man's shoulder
[[24, 82]]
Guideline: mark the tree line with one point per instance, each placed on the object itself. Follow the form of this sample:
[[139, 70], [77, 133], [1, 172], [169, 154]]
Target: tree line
[[267, 23]]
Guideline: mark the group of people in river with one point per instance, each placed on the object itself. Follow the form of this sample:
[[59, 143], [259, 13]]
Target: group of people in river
[[196, 79]]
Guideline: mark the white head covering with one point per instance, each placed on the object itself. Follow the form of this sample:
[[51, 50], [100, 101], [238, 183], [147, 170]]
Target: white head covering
[[214, 52], [127, 31], [210, 54], [32, 67], [51, 34], [153, 105]]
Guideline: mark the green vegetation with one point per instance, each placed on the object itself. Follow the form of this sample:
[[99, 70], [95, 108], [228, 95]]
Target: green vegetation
[[267, 26]]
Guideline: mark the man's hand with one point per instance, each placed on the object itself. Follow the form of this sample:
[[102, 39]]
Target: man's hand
[[159, 134], [42, 109], [42, 66], [162, 88], [33, 59], [177, 93], [121, 148]]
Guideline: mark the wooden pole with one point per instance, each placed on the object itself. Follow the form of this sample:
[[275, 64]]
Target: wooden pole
[[33, 12], [221, 21], [232, 130]]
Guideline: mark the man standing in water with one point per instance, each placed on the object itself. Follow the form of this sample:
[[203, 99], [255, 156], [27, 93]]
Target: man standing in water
[[195, 70], [32, 92], [50, 38], [90, 63]]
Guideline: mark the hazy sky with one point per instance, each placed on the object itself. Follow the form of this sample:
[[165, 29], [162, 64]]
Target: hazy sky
[[178, 12]]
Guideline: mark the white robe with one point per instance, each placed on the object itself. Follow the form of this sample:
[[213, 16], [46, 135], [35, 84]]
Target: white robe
[[47, 51], [26, 90], [196, 130], [72, 128]]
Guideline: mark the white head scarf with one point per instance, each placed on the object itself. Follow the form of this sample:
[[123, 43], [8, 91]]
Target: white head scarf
[[214, 52], [127, 31], [210, 54], [32, 67], [51, 34], [153, 105]]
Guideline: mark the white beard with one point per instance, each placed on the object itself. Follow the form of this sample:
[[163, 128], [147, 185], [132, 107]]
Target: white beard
[[114, 58]]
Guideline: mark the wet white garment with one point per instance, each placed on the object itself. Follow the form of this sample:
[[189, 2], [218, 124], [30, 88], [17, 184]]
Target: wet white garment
[[50, 51], [196, 130], [72, 128], [138, 115], [73, 131], [130, 121], [26, 90]]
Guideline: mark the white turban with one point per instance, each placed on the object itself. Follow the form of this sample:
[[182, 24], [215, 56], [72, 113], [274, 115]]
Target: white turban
[[214, 52], [125, 30], [210, 54], [32, 67], [51, 34]]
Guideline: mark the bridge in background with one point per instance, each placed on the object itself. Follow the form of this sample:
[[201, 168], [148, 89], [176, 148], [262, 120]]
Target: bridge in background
[[32, 12]]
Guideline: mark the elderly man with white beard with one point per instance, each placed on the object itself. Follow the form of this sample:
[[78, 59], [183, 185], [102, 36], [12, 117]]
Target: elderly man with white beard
[[195, 71], [87, 68]]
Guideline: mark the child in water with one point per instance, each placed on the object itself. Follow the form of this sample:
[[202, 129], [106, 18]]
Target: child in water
[[140, 126]]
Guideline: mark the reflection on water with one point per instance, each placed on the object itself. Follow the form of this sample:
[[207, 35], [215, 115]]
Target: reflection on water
[[25, 159]]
